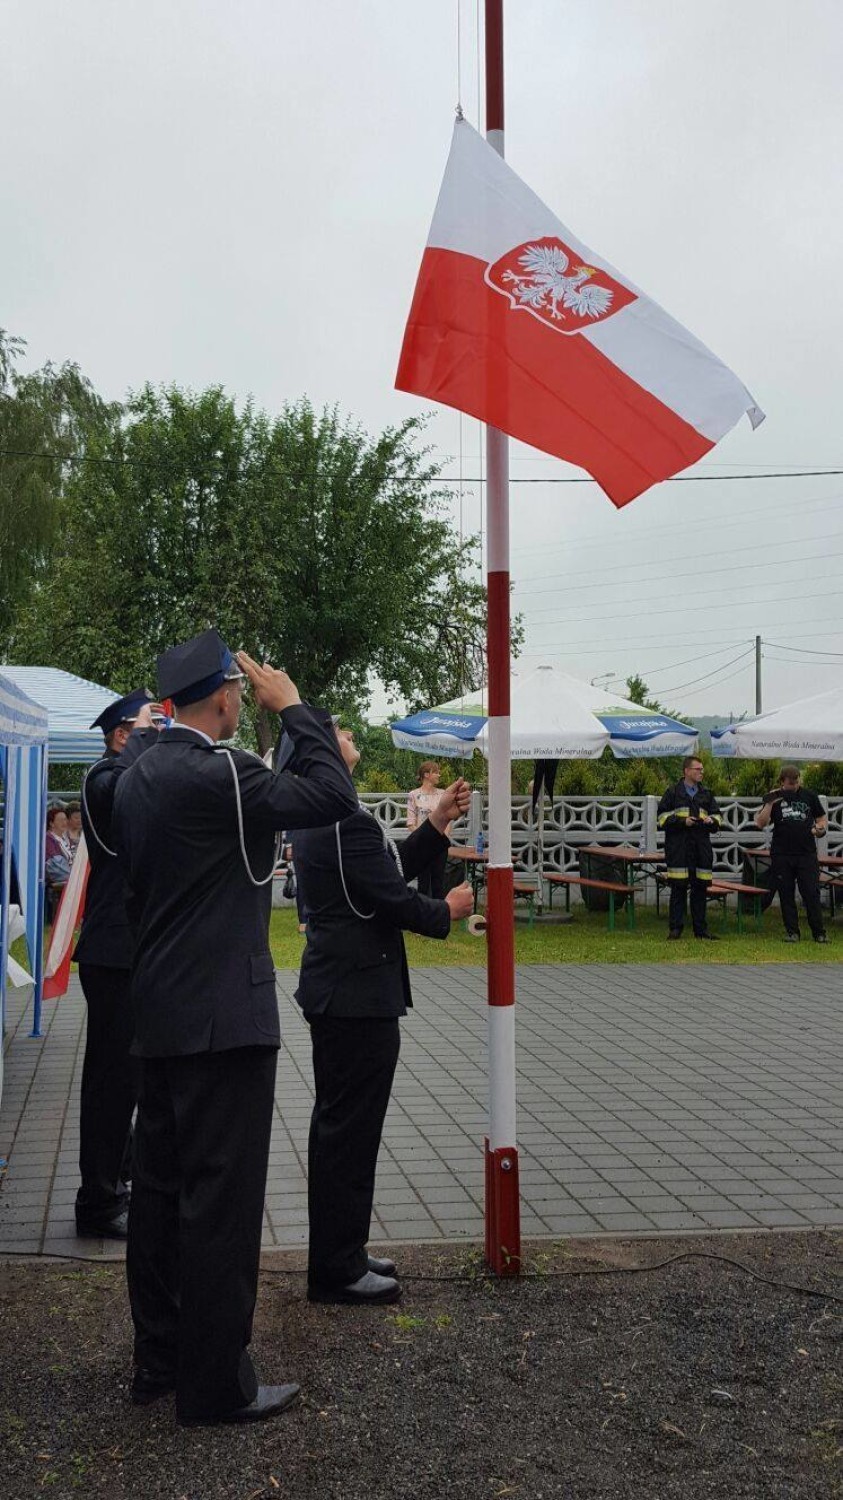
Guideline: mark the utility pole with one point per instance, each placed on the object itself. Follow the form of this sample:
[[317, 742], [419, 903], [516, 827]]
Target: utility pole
[[758, 674]]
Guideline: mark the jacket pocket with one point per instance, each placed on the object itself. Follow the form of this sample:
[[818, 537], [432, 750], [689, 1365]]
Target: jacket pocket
[[375, 955], [264, 999], [262, 968]]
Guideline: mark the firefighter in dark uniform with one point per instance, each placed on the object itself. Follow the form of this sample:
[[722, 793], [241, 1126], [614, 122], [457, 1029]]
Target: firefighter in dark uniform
[[353, 987], [689, 814], [196, 827], [104, 955]]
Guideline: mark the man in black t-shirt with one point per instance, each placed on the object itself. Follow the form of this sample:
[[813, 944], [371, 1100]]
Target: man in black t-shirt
[[798, 820]]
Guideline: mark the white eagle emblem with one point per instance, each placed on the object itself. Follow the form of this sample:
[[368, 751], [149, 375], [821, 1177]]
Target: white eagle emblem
[[543, 283], [546, 279]]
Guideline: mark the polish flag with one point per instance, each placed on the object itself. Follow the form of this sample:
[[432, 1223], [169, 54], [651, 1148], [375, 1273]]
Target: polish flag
[[518, 323]]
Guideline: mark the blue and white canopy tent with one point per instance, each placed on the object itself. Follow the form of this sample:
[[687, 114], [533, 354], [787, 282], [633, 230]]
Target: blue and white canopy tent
[[72, 704], [23, 770], [554, 717], [65, 706]]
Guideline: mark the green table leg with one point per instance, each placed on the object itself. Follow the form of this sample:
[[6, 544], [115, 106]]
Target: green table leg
[[611, 911], [630, 911]]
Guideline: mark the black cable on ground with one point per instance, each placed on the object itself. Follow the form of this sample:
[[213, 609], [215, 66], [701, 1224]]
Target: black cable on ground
[[469, 1279]]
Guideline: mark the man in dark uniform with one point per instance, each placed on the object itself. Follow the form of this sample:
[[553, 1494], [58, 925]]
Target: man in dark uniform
[[798, 818], [197, 829], [689, 814], [104, 955], [354, 985]]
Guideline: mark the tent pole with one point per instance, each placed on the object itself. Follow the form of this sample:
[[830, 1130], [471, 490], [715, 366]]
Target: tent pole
[[503, 1227]]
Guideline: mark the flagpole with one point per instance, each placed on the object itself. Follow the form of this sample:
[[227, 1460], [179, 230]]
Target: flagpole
[[503, 1227]]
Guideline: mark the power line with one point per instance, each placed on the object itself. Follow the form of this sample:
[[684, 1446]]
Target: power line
[[682, 687], [657, 671], [807, 507], [799, 661], [633, 642], [730, 676], [571, 619], [672, 479], [634, 582], [100, 458], [803, 650]]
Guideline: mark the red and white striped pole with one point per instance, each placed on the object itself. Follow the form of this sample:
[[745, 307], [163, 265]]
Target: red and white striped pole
[[503, 1226]]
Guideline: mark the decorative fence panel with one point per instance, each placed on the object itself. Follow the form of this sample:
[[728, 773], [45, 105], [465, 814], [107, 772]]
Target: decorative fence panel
[[574, 821]]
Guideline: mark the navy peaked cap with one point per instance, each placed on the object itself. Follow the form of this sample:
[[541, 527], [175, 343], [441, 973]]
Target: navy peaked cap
[[122, 710], [196, 668]]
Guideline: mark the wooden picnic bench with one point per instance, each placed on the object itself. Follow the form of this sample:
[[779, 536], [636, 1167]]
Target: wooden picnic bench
[[831, 883], [526, 890], [720, 889], [614, 888]]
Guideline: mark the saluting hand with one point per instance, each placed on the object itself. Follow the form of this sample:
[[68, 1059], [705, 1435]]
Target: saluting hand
[[273, 689], [453, 803], [145, 716]]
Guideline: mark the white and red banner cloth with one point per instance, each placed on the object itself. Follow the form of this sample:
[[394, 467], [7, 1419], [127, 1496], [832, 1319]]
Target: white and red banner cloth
[[519, 324], [68, 917]]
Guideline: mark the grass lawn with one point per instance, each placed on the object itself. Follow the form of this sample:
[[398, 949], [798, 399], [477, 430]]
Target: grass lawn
[[586, 940]]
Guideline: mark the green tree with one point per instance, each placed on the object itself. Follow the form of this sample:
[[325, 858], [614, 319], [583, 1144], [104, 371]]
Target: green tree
[[299, 537], [46, 419]]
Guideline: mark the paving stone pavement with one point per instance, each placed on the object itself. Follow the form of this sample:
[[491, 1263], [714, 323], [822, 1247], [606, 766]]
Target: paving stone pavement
[[650, 1099]]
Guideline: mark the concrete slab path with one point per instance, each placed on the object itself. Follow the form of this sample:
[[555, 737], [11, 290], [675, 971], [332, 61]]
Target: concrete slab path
[[651, 1099]]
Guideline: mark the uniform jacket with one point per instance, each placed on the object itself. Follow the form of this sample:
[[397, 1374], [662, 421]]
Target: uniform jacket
[[687, 844], [203, 976], [106, 937], [352, 966]]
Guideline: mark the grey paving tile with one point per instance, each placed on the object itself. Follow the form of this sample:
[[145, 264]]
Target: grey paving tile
[[635, 1101]]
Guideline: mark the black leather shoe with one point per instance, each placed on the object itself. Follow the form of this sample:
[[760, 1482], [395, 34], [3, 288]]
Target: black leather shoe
[[112, 1229], [371, 1290], [147, 1386], [270, 1400], [707, 937], [381, 1265], [674, 935]]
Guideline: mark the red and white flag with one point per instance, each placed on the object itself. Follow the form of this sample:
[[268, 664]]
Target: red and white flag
[[519, 324], [68, 917]]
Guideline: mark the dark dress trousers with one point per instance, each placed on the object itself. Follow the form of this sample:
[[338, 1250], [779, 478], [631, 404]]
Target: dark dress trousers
[[206, 1032], [104, 955], [354, 985]]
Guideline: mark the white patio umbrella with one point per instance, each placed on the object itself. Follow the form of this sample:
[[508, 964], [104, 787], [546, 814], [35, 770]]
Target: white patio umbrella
[[554, 717], [809, 729]]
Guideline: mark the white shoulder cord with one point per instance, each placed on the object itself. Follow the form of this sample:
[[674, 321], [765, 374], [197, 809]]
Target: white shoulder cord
[[365, 916], [390, 848], [112, 853], [278, 837]]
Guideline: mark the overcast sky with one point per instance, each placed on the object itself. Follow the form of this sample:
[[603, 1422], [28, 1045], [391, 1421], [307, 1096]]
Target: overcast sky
[[204, 191]]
